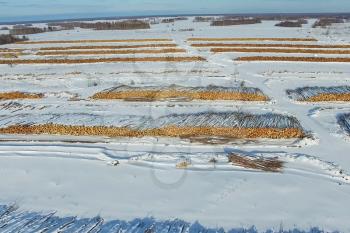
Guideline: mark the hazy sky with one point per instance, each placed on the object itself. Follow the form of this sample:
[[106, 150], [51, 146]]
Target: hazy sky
[[46, 9]]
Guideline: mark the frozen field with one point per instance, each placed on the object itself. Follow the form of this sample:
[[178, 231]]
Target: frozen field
[[165, 158]]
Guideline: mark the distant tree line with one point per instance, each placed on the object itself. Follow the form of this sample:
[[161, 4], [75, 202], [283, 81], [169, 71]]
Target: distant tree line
[[298, 23], [17, 26], [203, 19], [286, 20], [9, 39], [324, 22], [26, 30], [238, 21], [282, 17], [186, 30], [124, 25], [119, 25], [59, 26], [172, 20]]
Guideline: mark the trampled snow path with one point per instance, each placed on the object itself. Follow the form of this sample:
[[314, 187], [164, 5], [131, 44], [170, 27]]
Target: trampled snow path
[[156, 173], [296, 164]]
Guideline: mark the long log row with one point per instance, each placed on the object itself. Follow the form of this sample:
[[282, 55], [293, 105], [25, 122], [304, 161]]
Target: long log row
[[211, 124], [19, 95], [242, 45], [320, 94], [99, 52], [102, 60], [109, 47], [189, 93], [274, 50], [160, 95], [169, 131], [254, 39], [94, 41], [294, 59]]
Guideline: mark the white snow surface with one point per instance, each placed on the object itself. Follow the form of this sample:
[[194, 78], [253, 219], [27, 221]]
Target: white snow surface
[[78, 176]]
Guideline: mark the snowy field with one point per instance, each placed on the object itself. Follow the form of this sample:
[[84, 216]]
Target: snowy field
[[175, 180]]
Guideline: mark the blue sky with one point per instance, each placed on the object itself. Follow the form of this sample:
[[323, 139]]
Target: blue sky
[[52, 9]]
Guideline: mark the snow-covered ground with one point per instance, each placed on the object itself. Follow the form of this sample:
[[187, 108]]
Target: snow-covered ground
[[79, 176]]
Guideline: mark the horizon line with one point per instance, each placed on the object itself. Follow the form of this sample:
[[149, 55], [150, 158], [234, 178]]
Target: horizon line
[[165, 15]]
